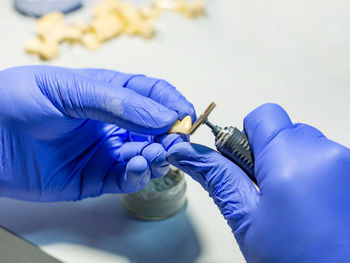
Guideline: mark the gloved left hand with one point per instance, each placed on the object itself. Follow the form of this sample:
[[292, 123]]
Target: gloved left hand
[[61, 137]]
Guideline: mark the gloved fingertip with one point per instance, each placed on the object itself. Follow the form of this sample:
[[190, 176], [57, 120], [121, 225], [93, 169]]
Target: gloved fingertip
[[154, 154], [267, 111], [141, 84], [169, 96], [156, 158], [130, 149], [192, 113], [185, 109], [160, 171], [137, 113], [179, 150], [137, 175], [264, 122], [169, 140]]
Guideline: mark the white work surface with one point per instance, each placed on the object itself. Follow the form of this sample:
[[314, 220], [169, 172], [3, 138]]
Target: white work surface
[[242, 54]]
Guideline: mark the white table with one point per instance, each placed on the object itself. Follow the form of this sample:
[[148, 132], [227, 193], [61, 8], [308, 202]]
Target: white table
[[244, 53]]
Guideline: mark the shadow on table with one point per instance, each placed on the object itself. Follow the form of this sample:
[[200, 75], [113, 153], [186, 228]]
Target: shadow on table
[[102, 223]]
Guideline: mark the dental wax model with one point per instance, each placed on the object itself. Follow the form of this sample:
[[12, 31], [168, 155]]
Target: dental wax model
[[110, 19], [132, 20], [191, 9], [51, 28], [46, 50], [51, 31], [183, 126], [150, 12]]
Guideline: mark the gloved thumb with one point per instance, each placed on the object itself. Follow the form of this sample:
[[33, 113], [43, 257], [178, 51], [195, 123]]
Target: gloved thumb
[[263, 123], [231, 189], [81, 97]]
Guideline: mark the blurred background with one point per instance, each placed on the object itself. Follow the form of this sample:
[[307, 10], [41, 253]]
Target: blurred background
[[240, 54]]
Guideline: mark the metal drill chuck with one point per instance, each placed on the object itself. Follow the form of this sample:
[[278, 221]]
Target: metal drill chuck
[[233, 144], [230, 142]]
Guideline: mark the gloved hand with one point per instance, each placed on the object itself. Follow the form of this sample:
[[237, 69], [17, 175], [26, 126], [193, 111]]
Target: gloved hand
[[61, 137], [302, 211]]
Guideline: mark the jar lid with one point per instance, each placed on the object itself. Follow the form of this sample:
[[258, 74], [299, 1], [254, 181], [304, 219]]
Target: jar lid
[[39, 8]]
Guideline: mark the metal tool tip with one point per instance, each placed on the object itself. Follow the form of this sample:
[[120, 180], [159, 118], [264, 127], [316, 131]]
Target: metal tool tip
[[202, 119]]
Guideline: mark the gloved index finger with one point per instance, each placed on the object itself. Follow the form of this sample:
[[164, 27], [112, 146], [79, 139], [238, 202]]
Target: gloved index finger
[[156, 89], [232, 190], [164, 93], [81, 97], [169, 140], [105, 75]]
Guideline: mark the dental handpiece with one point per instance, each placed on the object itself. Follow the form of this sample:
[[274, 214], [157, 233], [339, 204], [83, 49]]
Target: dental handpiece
[[230, 142]]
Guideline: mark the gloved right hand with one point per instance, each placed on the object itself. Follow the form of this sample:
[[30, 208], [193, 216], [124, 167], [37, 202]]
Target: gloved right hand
[[301, 212], [68, 134]]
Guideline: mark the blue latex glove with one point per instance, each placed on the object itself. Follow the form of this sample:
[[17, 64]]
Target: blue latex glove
[[302, 211], [59, 139]]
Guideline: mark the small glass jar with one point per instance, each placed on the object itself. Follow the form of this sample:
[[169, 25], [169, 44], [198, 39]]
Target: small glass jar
[[160, 199]]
